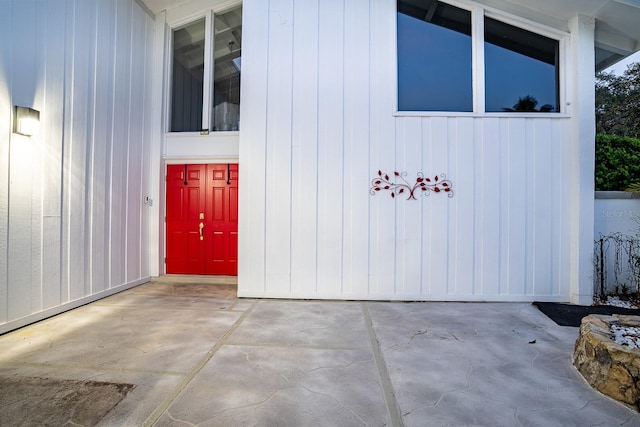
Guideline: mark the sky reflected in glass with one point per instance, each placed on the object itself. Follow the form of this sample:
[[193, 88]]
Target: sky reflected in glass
[[434, 67]]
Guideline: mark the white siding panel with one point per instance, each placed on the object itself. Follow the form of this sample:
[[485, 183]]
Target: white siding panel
[[517, 196], [120, 144], [134, 163], [488, 224], [52, 39], [147, 142], [20, 181], [304, 150], [278, 161], [435, 219], [356, 148], [102, 137], [6, 28], [330, 146], [542, 211], [561, 228], [253, 149], [382, 147], [20, 212], [462, 166], [408, 211], [79, 148]]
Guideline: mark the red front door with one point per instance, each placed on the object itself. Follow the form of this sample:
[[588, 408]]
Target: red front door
[[202, 219]]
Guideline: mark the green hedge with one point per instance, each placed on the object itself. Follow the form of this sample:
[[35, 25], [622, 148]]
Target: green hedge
[[617, 162]]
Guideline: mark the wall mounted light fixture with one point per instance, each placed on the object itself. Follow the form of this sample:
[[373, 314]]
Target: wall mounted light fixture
[[27, 121]]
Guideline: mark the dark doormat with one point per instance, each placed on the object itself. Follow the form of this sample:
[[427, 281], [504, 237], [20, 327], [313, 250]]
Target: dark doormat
[[571, 315], [29, 401]]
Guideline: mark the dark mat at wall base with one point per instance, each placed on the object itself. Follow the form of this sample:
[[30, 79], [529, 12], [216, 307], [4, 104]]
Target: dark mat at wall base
[[571, 315], [29, 401]]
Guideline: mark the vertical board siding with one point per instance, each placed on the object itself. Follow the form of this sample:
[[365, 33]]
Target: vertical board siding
[[278, 160], [120, 143], [382, 105], [330, 146], [329, 124], [52, 21], [61, 213], [356, 148], [6, 28], [253, 148], [102, 139], [21, 150], [304, 167]]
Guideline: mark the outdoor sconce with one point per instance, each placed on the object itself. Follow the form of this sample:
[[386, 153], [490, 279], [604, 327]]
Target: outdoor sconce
[[27, 121]]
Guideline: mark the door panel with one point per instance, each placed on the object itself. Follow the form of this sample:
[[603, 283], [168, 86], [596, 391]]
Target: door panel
[[210, 191], [185, 201], [221, 249]]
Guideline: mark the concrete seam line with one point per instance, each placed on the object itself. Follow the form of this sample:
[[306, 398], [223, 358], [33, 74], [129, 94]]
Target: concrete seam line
[[166, 403], [385, 380]]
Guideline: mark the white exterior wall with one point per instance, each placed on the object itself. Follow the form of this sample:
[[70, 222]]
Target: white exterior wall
[[73, 225], [319, 120]]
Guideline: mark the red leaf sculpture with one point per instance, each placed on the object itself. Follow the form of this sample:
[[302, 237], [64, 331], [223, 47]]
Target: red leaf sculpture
[[400, 185]]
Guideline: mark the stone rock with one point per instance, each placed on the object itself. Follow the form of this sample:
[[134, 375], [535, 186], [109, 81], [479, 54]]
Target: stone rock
[[610, 368]]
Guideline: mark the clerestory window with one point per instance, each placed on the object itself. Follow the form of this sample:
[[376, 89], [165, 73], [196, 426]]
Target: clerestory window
[[436, 71], [205, 84]]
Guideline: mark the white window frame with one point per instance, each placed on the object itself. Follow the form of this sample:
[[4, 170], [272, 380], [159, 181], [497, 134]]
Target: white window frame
[[478, 13], [207, 87]]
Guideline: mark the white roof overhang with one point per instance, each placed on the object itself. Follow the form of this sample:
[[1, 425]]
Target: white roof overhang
[[617, 33]]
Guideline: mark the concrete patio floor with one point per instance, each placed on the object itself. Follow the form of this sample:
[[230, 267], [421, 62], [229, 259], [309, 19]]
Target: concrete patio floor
[[197, 355]]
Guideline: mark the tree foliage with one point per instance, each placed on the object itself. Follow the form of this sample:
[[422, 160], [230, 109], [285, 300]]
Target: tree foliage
[[617, 162], [618, 102]]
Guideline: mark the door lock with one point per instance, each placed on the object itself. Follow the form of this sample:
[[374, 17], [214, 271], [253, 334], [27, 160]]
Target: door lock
[[201, 226]]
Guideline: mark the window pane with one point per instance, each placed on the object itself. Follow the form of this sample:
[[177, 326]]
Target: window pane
[[188, 72], [226, 88], [434, 57], [521, 69]]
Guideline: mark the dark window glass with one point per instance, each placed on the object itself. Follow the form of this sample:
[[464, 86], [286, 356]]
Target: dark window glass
[[434, 57], [521, 69], [188, 73], [226, 74]]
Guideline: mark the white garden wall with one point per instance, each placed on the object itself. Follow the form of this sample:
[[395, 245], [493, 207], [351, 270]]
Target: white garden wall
[[319, 120], [73, 224], [617, 223]]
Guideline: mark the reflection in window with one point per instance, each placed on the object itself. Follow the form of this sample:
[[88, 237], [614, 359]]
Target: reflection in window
[[227, 54], [188, 73], [521, 69], [434, 57]]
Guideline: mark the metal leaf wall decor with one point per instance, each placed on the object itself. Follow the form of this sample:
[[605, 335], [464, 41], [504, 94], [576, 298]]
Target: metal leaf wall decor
[[398, 184]]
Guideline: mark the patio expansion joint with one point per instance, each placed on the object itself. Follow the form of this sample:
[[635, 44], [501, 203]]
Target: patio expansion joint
[[300, 346], [164, 406], [385, 379]]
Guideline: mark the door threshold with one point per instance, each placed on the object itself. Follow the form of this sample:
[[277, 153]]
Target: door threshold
[[196, 278]]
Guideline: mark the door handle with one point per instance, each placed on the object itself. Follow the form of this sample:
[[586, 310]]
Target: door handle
[[201, 226]]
